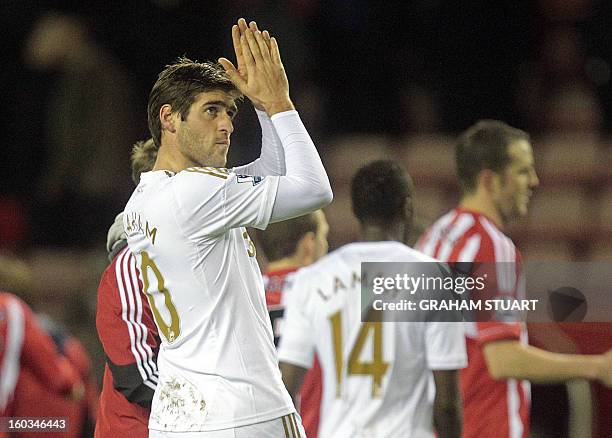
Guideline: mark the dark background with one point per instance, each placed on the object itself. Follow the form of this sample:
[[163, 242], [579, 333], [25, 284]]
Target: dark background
[[370, 79], [361, 57]]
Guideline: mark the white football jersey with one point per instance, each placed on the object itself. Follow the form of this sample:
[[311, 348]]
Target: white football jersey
[[217, 363], [377, 376]]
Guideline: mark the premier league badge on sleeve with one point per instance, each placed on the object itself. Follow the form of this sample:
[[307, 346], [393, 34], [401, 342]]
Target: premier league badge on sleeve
[[249, 178]]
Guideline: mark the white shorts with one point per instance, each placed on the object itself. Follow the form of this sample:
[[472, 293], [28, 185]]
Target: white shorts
[[288, 426]]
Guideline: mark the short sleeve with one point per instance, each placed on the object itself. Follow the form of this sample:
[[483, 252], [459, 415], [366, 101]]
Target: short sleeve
[[445, 345], [297, 343], [497, 331], [210, 201], [504, 282]]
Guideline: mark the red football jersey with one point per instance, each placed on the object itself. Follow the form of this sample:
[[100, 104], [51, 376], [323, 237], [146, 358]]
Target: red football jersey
[[277, 283], [26, 348], [33, 398], [492, 408], [130, 340]]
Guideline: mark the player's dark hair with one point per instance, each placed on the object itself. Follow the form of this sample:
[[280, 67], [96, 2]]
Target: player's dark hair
[[380, 191], [144, 154], [280, 239], [178, 85], [484, 146]]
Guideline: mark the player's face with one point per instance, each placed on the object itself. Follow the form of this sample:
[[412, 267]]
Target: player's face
[[204, 135], [321, 244], [518, 180]]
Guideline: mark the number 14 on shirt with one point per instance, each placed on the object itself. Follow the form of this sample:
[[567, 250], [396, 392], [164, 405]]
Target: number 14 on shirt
[[376, 368]]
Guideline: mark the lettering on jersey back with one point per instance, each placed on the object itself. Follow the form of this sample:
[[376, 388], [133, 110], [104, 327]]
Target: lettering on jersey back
[[151, 233], [337, 284], [355, 280], [134, 225], [323, 295]]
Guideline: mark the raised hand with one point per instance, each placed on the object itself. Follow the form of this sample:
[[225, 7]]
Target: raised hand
[[259, 74]]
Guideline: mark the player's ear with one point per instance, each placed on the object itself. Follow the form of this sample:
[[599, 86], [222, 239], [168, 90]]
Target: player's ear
[[167, 119], [489, 180], [307, 246]]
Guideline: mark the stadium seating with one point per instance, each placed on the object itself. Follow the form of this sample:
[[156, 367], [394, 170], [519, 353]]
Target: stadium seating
[[569, 159], [549, 250], [430, 159], [570, 215], [348, 153]]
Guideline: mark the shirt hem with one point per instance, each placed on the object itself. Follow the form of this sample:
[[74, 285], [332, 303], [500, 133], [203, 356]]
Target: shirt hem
[[448, 364], [212, 426], [290, 359]]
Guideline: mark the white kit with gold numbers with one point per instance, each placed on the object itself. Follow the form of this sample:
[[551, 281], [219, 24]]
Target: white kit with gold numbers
[[377, 376], [217, 362]]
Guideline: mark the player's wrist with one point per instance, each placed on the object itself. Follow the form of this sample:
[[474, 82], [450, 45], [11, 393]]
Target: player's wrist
[[278, 107], [258, 105], [598, 368]]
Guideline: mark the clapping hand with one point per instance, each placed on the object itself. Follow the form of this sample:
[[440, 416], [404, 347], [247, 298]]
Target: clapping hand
[[259, 74]]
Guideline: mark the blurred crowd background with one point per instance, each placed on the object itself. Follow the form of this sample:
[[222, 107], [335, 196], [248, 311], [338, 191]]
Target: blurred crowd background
[[370, 78]]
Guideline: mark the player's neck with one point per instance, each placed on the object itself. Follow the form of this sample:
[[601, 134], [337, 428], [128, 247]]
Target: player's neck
[[284, 264], [167, 159], [378, 233], [476, 203]]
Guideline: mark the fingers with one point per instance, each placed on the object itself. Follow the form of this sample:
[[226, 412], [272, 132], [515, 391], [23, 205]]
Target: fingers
[[261, 38], [263, 47], [242, 24], [254, 46], [237, 34], [227, 65], [247, 54], [266, 36], [237, 47], [254, 49], [253, 26], [276, 59], [232, 73]]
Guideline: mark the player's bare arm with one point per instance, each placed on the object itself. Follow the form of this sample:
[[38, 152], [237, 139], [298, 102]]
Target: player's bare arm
[[259, 74], [511, 359], [605, 375], [293, 376], [447, 414]]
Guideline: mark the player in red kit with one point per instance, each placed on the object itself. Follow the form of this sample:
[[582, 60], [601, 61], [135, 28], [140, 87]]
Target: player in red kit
[[290, 245], [127, 331], [130, 341], [26, 347], [32, 394], [34, 399], [496, 171]]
